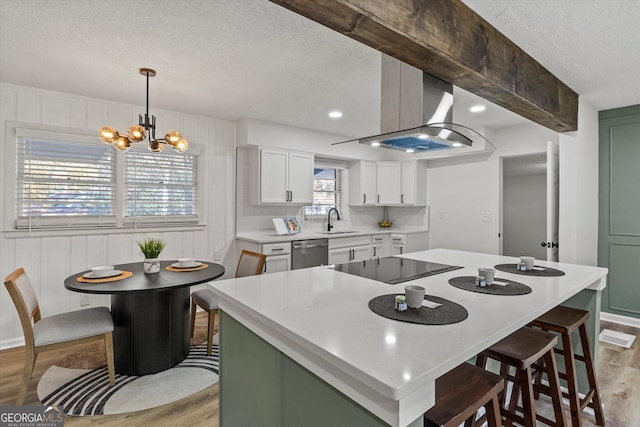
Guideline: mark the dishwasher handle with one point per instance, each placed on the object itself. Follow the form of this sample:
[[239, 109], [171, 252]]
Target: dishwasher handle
[[302, 245]]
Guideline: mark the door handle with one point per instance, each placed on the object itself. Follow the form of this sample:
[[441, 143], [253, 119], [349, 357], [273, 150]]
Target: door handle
[[291, 196], [549, 244], [402, 198], [374, 251], [378, 199], [364, 199]]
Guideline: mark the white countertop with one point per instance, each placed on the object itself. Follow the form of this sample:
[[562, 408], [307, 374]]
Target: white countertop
[[272, 237], [320, 318]]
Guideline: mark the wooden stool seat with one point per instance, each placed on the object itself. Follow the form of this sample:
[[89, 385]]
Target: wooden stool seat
[[461, 392], [565, 320], [522, 350]]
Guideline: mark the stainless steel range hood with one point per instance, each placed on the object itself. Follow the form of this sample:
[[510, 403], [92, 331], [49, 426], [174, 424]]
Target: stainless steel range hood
[[416, 112]]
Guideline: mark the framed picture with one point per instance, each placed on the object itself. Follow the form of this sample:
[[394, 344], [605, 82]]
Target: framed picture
[[293, 225]]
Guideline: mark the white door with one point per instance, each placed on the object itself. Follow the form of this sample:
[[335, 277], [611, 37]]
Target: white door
[[301, 177], [277, 263], [340, 256], [369, 182], [361, 253], [553, 180], [274, 169], [389, 183]]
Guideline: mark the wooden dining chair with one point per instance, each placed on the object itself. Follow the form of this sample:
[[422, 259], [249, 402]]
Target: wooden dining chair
[[57, 331], [249, 264]]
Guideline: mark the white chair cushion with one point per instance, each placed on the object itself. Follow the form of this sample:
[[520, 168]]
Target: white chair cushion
[[205, 299], [72, 326]]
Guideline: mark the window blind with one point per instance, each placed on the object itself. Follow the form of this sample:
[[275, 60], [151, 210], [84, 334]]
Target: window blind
[[64, 183], [327, 191], [161, 188]]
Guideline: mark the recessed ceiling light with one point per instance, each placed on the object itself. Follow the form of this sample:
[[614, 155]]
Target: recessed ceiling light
[[477, 108], [410, 150], [423, 136], [375, 144], [456, 144], [335, 114]]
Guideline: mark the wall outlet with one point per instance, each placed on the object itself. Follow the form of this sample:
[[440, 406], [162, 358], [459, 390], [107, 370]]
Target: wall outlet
[[84, 300], [486, 216]]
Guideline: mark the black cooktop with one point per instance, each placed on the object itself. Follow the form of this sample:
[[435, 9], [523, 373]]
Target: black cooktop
[[393, 270]]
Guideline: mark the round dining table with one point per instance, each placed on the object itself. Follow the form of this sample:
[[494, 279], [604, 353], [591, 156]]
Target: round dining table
[[150, 313]]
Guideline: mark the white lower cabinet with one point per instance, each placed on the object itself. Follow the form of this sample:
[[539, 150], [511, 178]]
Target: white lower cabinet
[[278, 254], [405, 243], [380, 246], [349, 249]]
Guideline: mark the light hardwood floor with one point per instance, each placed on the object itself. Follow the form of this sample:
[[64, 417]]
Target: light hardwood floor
[[618, 375]]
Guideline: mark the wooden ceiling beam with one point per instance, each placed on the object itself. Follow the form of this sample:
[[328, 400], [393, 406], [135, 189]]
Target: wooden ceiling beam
[[447, 39]]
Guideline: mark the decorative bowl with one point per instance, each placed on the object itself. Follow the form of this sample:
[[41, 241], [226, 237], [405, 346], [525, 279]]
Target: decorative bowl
[[102, 270]]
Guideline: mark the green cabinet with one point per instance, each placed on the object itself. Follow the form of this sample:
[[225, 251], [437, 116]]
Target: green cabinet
[[261, 386]]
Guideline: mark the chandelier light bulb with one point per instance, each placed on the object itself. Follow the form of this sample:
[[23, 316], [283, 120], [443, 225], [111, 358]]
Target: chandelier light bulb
[[122, 143], [155, 147], [173, 137], [181, 146], [108, 134], [136, 133]]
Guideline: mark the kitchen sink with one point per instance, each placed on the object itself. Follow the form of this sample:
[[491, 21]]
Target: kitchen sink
[[339, 232]]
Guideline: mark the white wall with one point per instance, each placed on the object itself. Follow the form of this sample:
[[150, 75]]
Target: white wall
[[578, 225], [461, 191], [50, 257]]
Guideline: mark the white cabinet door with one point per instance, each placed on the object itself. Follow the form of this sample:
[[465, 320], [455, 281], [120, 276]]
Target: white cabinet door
[[377, 250], [277, 263], [361, 253], [369, 183], [408, 195], [300, 178], [339, 256], [397, 249], [274, 172], [389, 183]]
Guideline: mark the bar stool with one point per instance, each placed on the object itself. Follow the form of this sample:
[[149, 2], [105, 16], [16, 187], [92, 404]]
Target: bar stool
[[461, 392], [565, 320], [521, 350]]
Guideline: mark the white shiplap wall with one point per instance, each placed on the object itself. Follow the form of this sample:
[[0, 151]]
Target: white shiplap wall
[[49, 258]]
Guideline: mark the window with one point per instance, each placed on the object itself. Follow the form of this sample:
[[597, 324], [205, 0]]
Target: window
[[327, 191], [67, 180], [64, 183], [161, 187]]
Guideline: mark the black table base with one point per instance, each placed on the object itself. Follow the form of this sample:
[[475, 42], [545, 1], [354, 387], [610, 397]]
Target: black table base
[[151, 330]]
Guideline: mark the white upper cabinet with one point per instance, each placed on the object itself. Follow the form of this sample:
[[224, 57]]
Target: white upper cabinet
[[363, 184], [392, 184], [389, 183], [281, 176]]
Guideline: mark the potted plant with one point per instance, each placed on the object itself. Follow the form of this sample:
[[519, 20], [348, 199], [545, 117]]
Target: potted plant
[[151, 249]]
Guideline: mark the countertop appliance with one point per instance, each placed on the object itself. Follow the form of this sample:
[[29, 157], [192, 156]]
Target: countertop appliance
[[309, 253], [394, 270]]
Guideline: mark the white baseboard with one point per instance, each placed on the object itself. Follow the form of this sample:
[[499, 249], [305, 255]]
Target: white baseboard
[[11, 343], [622, 320]]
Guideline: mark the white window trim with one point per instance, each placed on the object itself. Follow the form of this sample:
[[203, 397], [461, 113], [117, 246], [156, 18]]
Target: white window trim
[[12, 131]]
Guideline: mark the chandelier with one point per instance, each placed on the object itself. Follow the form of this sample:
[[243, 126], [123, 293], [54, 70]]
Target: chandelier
[[137, 133]]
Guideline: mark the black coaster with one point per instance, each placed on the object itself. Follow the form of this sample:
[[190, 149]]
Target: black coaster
[[449, 312], [545, 272], [468, 283]]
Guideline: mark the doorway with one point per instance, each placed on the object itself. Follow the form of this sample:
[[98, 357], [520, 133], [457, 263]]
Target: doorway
[[529, 205]]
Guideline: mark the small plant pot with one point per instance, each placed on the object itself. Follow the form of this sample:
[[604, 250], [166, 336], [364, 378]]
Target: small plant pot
[[151, 265]]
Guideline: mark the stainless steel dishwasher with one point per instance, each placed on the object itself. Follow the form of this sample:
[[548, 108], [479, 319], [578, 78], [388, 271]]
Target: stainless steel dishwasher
[[309, 253]]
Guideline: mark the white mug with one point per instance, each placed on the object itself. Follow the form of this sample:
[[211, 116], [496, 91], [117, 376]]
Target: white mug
[[415, 295], [528, 261], [488, 273]]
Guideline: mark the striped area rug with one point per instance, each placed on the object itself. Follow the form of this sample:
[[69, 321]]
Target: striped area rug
[[87, 392]]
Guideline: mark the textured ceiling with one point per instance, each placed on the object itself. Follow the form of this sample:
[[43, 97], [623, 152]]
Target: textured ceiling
[[250, 58]]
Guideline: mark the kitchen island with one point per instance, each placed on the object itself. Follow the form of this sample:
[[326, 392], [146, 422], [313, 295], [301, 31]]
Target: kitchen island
[[302, 347]]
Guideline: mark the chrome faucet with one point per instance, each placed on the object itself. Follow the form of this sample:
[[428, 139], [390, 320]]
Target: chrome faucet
[[329, 226]]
